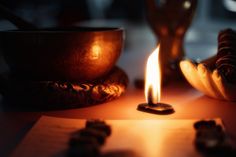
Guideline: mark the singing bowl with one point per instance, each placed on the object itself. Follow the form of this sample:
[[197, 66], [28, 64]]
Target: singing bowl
[[77, 53]]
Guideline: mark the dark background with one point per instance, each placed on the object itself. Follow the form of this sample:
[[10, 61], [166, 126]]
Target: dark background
[[200, 41], [68, 12]]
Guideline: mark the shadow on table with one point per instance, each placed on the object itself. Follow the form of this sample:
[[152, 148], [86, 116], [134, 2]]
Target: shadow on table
[[11, 143], [17, 106]]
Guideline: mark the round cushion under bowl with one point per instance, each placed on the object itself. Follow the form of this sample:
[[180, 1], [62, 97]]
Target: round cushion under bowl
[[53, 95]]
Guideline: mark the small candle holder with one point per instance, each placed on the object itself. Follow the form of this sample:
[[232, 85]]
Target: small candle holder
[[158, 108], [169, 20], [153, 87]]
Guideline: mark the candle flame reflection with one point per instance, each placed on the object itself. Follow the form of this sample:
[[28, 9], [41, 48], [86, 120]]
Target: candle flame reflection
[[153, 78]]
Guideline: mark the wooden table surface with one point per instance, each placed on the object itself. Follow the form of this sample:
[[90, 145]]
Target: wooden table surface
[[187, 102]]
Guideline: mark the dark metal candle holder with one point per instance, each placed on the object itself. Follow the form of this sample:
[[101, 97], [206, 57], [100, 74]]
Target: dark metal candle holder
[[158, 108]]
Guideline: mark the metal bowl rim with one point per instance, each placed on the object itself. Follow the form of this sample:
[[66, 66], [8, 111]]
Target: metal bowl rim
[[68, 30]]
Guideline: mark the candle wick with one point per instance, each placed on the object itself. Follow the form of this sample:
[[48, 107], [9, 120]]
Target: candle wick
[[150, 96]]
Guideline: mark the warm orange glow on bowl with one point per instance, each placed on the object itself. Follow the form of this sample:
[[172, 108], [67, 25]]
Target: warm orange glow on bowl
[[96, 51], [153, 78]]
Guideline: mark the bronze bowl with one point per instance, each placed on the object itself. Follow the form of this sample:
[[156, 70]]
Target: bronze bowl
[[74, 54]]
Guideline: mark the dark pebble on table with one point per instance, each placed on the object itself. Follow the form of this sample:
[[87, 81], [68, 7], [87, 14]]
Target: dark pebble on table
[[87, 142], [204, 123], [98, 125], [212, 133], [77, 140], [101, 127], [85, 150], [89, 132], [211, 139], [91, 122], [215, 149]]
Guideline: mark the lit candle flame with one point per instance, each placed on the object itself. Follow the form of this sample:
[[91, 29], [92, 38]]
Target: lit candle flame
[[153, 78]]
